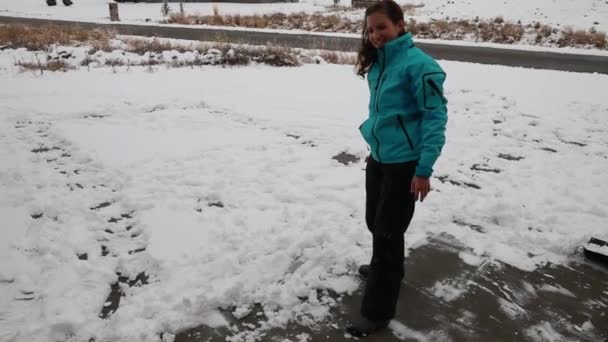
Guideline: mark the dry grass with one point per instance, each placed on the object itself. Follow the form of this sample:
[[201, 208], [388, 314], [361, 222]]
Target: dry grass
[[40, 38], [543, 33], [43, 39], [238, 55], [114, 62], [333, 57], [86, 61], [271, 55], [232, 55], [300, 21], [496, 30], [141, 46], [178, 18], [407, 9], [53, 65], [593, 38], [500, 32], [442, 29]]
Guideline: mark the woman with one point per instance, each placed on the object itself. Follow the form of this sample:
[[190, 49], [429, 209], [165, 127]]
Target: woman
[[405, 132]]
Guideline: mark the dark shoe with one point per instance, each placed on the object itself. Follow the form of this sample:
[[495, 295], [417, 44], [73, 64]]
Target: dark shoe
[[364, 271], [67, 2], [363, 327], [51, 2]]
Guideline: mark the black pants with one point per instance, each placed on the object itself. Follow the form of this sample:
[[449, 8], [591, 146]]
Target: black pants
[[389, 210]]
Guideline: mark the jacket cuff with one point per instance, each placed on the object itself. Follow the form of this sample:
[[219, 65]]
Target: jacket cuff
[[423, 171]]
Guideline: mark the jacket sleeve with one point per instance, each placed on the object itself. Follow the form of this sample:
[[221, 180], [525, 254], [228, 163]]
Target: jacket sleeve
[[427, 88]]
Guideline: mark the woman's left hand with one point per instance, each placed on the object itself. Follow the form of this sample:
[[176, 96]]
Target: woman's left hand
[[420, 187]]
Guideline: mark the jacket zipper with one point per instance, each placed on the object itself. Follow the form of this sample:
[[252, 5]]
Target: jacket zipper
[[378, 86], [409, 140], [434, 86], [376, 138], [376, 107]]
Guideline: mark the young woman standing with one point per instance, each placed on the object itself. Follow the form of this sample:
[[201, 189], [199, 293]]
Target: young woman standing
[[405, 133]]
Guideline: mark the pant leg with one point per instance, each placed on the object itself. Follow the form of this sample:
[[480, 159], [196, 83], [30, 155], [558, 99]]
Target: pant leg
[[373, 187], [394, 212]]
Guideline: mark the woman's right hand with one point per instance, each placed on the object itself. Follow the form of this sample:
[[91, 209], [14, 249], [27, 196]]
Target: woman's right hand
[[421, 186]]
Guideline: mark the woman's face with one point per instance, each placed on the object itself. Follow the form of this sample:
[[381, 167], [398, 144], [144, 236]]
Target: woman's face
[[381, 29]]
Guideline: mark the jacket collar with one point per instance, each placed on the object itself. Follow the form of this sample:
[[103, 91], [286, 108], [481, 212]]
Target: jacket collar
[[392, 48]]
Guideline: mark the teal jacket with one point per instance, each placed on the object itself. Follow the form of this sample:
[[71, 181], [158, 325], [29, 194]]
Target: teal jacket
[[407, 109]]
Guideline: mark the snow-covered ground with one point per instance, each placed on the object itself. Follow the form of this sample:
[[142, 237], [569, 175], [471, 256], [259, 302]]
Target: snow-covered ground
[[580, 14], [225, 177], [97, 10]]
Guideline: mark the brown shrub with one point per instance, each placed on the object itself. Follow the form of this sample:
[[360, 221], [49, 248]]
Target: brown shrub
[[570, 37], [509, 33]]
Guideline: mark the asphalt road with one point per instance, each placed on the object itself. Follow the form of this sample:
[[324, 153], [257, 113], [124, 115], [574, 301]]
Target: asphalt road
[[473, 54]]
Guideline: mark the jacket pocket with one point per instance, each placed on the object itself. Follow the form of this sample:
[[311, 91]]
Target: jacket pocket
[[407, 135], [366, 131]]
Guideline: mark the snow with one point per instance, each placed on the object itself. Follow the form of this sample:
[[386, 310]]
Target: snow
[[405, 333], [557, 289], [446, 291], [14, 221], [529, 288], [543, 333], [587, 327], [562, 13], [164, 147], [511, 309], [471, 259], [97, 10]]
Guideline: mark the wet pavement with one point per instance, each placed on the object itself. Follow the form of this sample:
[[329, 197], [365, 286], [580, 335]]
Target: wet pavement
[[445, 299]]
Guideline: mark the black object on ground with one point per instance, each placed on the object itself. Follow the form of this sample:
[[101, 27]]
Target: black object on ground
[[363, 327], [364, 270], [593, 254], [51, 2]]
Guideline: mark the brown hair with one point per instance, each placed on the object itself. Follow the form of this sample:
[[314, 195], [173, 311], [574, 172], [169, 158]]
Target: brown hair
[[367, 52]]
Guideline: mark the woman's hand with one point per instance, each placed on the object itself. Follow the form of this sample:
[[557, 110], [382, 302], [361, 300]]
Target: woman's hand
[[420, 187]]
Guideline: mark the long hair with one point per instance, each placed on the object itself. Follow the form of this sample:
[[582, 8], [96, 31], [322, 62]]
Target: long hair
[[367, 53]]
